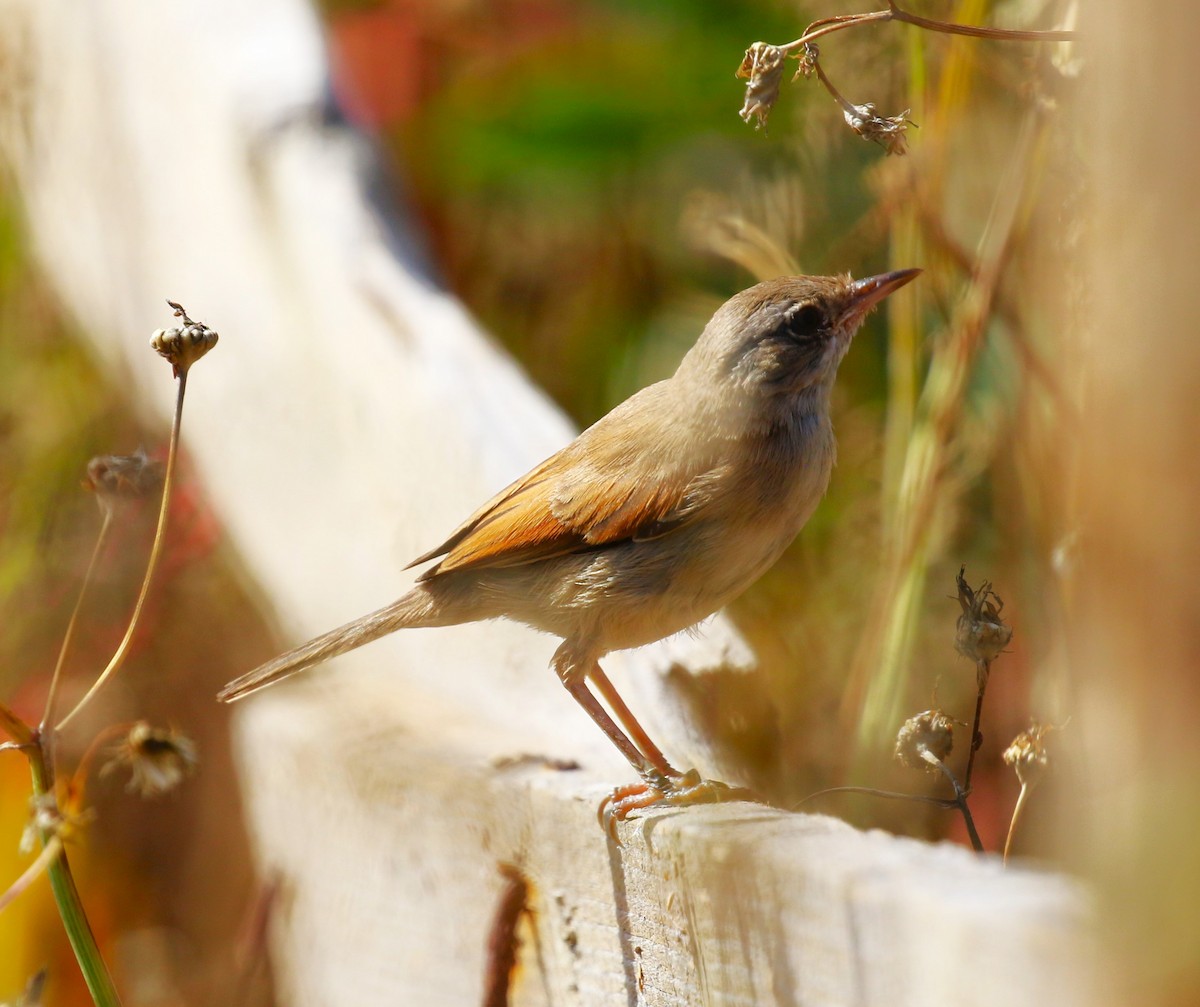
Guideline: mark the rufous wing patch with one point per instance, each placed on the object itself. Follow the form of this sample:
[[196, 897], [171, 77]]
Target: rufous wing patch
[[559, 515]]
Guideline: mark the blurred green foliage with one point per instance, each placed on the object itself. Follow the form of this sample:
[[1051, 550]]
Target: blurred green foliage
[[554, 175]]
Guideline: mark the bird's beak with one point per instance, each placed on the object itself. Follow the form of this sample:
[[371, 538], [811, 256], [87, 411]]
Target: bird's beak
[[865, 294]]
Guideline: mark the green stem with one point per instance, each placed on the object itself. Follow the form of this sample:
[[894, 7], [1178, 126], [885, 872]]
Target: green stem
[[70, 907]]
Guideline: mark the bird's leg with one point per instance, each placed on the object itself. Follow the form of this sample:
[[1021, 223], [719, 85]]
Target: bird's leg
[[628, 721], [661, 783], [574, 677]]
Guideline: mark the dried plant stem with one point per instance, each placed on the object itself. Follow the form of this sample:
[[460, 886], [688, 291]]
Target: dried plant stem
[[1016, 818], [825, 26], [841, 99], [15, 728], [960, 798], [983, 672], [828, 25], [155, 551], [48, 736], [40, 864], [66, 896]]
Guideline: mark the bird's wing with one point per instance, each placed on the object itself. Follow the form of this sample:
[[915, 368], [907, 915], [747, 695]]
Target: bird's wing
[[617, 482]]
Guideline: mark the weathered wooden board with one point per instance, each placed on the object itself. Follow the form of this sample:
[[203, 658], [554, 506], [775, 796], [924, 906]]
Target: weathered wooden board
[[386, 823]]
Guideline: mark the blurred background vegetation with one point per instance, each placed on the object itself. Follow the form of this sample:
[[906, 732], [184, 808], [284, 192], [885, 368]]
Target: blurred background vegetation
[[585, 185]]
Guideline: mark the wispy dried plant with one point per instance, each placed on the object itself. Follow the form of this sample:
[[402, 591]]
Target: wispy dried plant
[[762, 68], [157, 759]]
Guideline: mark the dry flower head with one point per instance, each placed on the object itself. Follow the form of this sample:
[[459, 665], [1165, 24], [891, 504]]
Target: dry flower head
[[981, 634], [930, 732], [887, 131], [123, 477], [762, 69], [183, 345], [807, 65], [1027, 754], [158, 759], [46, 818]]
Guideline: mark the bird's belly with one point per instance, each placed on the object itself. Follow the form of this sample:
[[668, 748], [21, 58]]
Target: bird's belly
[[650, 594], [640, 591]]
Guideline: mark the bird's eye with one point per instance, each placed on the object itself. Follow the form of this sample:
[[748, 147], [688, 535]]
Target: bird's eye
[[805, 323]]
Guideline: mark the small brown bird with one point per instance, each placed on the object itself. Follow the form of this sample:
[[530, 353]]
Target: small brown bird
[[654, 517]]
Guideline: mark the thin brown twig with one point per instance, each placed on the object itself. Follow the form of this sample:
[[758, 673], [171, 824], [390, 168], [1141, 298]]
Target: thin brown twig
[[31, 873], [960, 797], [1016, 818], [974, 31], [840, 98], [15, 728], [155, 551], [49, 736], [984, 671], [826, 26]]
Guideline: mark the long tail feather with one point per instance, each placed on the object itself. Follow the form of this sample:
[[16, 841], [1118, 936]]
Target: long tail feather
[[411, 610]]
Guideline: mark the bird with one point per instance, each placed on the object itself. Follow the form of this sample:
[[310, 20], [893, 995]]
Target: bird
[[653, 518]]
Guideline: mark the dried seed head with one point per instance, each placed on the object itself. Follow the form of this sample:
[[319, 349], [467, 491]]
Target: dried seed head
[[123, 477], [185, 344], [158, 759], [1027, 754], [980, 632], [47, 819], [762, 69], [932, 732], [44, 818], [887, 131], [808, 61]]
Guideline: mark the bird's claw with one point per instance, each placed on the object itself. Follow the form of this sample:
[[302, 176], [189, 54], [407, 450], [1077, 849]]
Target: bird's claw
[[674, 791]]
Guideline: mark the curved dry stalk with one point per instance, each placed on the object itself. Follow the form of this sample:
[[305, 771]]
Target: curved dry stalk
[[960, 797], [52, 693], [974, 31], [1016, 818], [828, 25], [15, 728], [40, 865], [155, 551]]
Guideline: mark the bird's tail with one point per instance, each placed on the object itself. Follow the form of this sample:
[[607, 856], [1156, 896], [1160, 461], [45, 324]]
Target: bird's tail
[[414, 609]]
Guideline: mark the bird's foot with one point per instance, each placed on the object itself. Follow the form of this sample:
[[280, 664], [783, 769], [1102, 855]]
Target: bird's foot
[[676, 790]]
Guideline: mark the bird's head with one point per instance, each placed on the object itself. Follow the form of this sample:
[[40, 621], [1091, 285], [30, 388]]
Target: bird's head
[[783, 336]]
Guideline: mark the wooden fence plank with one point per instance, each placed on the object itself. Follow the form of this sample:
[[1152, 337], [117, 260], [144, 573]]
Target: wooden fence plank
[[388, 844]]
